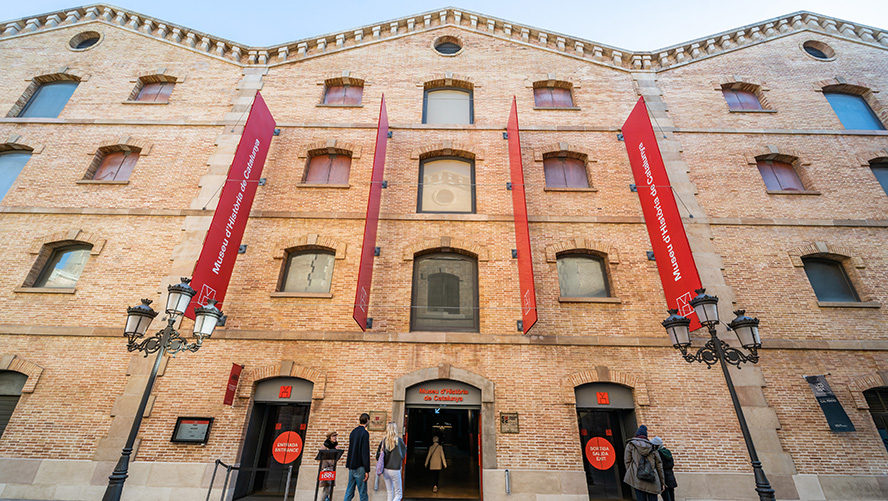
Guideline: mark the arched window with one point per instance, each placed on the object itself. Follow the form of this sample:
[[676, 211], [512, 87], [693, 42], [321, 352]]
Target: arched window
[[308, 271], [447, 105], [447, 184], [343, 94], [328, 169], [779, 176], [741, 99], [552, 97], [829, 280], [113, 164], [877, 401], [880, 170], [64, 267], [445, 293], [49, 99], [11, 164], [11, 384], [853, 111], [582, 275]]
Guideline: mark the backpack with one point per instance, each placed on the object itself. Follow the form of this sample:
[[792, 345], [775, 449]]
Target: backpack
[[644, 470], [380, 463]]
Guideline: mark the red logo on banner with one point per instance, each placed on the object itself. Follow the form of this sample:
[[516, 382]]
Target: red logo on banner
[[522, 233], [287, 447], [600, 453], [371, 223], [603, 398], [285, 392], [233, 377], [213, 269], [328, 476], [675, 262]]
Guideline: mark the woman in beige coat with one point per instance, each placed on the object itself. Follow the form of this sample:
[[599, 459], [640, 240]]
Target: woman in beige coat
[[436, 461]]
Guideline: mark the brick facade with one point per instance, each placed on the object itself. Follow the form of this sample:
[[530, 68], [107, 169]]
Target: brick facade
[[83, 387]]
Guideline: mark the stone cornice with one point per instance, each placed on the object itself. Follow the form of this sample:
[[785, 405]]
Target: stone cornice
[[595, 52]]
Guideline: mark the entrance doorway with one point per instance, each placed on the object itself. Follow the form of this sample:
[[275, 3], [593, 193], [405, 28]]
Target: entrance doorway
[[457, 430], [274, 440], [606, 419]]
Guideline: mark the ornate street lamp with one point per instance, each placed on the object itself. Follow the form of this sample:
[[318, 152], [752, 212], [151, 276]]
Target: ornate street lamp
[[717, 351], [167, 340]]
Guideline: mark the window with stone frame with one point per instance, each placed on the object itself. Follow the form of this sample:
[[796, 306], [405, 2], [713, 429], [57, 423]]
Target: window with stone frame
[[829, 280], [879, 169], [741, 100], [582, 275], [11, 384], [448, 105], [113, 163], [343, 94], [779, 175], [853, 110], [563, 170], [445, 293], [446, 185], [877, 401], [11, 164], [307, 271], [552, 94], [47, 99], [327, 168], [153, 89], [62, 267]]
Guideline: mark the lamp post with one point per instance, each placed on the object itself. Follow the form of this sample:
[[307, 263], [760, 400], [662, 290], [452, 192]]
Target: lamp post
[[166, 340], [716, 350]]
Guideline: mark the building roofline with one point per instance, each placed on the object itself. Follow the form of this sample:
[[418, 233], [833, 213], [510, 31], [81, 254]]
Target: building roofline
[[660, 59]]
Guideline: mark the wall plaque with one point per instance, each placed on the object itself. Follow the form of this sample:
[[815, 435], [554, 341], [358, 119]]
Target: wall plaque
[[192, 430], [377, 420], [508, 422]]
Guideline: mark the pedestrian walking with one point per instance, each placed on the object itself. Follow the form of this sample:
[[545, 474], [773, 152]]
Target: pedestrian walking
[[644, 470], [436, 461], [391, 452], [358, 461], [329, 465], [668, 464]]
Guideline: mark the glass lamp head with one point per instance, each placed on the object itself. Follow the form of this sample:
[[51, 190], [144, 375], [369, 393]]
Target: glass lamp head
[[677, 328], [747, 330], [206, 318], [179, 297], [138, 318], [706, 307]]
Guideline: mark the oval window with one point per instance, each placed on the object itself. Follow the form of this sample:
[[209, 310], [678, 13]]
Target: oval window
[[85, 40], [818, 50]]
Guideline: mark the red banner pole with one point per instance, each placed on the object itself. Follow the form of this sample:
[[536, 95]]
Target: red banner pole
[[371, 223], [522, 231]]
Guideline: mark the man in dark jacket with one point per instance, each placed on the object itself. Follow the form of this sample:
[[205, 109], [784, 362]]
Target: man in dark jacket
[[668, 465], [640, 455], [358, 461]]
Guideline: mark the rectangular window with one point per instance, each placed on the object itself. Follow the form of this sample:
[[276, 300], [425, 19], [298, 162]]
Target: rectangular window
[[156, 92], [64, 267], [49, 100], [565, 173], [779, 176], [741, 100], [552, 97], [853, 111], [582, 276], [117, 166], [446, 185], [445, 293], [308, 272], [829, 280], [447, 106], [344, 94], [328, 169]]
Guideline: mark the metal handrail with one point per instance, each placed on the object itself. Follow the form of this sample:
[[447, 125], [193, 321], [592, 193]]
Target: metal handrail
[[228, 469]]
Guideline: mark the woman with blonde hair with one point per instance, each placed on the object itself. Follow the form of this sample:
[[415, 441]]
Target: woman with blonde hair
[[393, 449]]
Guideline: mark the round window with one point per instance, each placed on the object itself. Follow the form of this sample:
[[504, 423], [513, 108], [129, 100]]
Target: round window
[[448, 46], [85, 40], [819, 50]]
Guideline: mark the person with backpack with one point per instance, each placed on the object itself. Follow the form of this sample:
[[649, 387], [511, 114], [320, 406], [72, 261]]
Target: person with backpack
[[668, 464], [389, 456], [644, 469]]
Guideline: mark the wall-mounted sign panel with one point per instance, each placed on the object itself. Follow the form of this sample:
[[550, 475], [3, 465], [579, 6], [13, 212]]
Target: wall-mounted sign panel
[[441, 392], [283, 389], [604, 395], [192, 430]]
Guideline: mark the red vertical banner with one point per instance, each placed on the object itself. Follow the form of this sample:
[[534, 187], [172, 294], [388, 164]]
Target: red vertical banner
[[233, 378], [216, 262], [371, 223], [522, 232], [675, 262]]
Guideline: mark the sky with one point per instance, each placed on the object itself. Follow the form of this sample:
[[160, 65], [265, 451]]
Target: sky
[[641, 25]]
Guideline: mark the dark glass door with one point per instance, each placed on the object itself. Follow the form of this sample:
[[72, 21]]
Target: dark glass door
[[457, 431], [602, 437], [261, 473]]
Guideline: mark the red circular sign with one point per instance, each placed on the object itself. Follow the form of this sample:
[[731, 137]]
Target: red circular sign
[[600, 453], [287, 447]]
